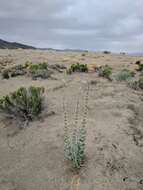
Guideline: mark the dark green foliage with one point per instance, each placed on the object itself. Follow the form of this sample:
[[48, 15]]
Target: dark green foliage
[[106, 52], [125, 75], [83, 54], [140, 67], [39, 66], [78, 68], [5, 74], [23, 103], [105, 71]]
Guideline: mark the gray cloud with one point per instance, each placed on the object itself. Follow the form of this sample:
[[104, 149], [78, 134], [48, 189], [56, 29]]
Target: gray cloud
[[88, 24]]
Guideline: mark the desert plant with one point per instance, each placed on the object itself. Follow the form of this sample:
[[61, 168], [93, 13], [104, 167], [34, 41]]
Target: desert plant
[[136, 84], [105, 71], [5, 74], [124, 75], [42, 73], [140, 67], [75, 141], [83, 54], [39, 66], [39, 70], [69, 71], [23, 103], [133, 84], [106, 52], [14, 71], [140, 81], [77, 68]]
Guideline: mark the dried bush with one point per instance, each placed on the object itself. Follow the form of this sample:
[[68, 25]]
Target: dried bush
[[136, 84], [42, 73], [5, 74], [23, 103], [14, 71]]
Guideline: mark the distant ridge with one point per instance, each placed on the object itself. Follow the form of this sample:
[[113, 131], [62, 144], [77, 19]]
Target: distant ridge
[[136, 54], [13, 45]]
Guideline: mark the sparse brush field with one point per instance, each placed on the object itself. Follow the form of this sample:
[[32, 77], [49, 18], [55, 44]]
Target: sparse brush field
[[70, 121]]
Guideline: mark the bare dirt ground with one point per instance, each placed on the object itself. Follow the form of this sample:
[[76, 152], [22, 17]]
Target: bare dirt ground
[[33, 158]]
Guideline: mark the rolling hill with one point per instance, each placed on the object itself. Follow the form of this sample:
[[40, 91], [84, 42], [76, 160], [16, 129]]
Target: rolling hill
[[13, 45]]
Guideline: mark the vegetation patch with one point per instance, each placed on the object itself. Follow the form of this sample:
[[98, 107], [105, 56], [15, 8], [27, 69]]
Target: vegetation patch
[[39, 70], [136, 84], [125, 75], [75, 140], [105, 71], [5, 74], [14, 71], [77, 68], [23, 103], [140, 67], [57, 67], [106, 52]]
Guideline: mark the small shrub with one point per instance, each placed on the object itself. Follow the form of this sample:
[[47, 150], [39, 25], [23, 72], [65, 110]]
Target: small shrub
[[106, 52], [133, 84], [105, 71], [41, 73], [5, 74], [40, 70], [83, 54], [138, 62], [69, 71], [140, 83], [136, 84], [24, 103], [17, 73], [140, 67], [78, 68], [57, 67], [14, 71], [75, 141], [39, 66], [141, 74], [125, 75]]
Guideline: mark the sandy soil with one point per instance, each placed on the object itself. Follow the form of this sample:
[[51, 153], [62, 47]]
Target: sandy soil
[[33, 158]]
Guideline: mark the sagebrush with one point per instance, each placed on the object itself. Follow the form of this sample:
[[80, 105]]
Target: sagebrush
[[125, 75], [24, 103], [136, 84]]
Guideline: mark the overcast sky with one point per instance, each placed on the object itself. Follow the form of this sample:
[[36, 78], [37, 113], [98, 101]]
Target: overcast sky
[[115, 25]]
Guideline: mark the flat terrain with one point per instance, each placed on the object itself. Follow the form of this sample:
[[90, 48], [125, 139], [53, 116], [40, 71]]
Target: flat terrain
[[33, 158]]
